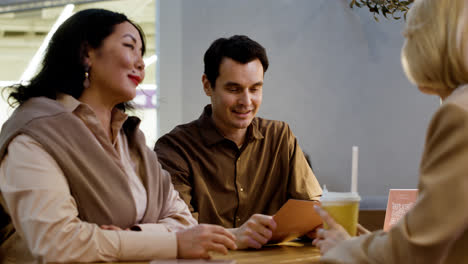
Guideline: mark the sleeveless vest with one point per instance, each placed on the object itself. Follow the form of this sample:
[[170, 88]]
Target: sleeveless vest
[[97, 182]]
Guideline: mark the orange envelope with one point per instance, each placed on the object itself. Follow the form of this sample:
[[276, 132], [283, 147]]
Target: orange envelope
[[294, 219]]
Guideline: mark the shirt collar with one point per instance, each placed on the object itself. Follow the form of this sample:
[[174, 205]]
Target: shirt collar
[[256, 134], [211, 135], [459, 90], [71, 104]]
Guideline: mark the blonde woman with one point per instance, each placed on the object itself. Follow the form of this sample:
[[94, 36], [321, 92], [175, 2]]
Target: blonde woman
[[435, 58]]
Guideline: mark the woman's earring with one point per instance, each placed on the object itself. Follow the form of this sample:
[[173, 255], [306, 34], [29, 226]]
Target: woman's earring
[[86, 75]]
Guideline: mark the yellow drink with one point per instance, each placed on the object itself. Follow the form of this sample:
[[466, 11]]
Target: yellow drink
[[345, 214], [343, 207]]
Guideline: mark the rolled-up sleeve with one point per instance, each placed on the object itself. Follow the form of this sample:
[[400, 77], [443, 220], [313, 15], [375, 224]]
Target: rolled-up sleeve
[[44, 213]]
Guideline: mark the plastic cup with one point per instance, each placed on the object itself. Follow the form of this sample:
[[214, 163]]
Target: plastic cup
[[343, 207]]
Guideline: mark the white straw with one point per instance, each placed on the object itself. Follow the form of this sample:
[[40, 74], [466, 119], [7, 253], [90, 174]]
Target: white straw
[[354, 169]]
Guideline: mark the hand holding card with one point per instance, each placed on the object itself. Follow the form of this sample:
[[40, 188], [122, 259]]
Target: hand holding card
[[294, 219]]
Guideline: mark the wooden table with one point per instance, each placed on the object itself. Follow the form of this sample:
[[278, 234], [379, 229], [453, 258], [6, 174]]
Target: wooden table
[[295, 253], [305, 253]]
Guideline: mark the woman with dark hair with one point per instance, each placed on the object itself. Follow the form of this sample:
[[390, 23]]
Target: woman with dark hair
[[76, 178]]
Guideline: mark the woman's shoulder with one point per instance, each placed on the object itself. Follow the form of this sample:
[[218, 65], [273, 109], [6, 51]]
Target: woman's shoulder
[[459, 97], [449, 121], [35, 108]]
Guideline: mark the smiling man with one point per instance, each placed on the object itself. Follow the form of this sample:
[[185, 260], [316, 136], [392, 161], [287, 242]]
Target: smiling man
[[232, 168]]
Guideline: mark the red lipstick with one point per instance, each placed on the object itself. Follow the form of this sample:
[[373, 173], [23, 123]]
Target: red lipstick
[[135, 79]]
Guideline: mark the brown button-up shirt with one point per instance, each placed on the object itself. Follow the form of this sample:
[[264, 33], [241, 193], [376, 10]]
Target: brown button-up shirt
[[224, 184]]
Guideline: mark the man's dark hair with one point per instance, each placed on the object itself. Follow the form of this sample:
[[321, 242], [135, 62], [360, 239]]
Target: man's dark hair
[[63, 69], [239, 48]]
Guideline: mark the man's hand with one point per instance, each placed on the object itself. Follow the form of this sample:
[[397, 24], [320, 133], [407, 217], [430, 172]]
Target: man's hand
[[197, 241], [255, 232], [327, 239]]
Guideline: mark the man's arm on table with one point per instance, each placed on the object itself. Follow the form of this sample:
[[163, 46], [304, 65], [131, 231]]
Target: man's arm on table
[[303, 185]]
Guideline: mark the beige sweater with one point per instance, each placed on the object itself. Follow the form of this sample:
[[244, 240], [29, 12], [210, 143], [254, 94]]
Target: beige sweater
[[96, 179]]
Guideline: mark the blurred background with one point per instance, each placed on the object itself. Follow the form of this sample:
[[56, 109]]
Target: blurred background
[[335, 77], [25, 25]]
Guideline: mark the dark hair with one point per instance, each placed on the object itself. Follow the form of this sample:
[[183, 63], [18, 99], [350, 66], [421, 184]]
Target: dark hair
[[239, 48], [63, 69]]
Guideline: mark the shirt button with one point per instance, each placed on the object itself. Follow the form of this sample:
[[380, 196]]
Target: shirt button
[[238, 219], [241, 189]]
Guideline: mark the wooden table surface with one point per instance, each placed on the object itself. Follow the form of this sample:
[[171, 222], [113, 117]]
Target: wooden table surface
[[294, 253], [305, 253]]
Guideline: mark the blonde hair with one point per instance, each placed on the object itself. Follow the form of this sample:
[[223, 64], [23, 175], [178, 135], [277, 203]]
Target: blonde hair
[[433, 55]]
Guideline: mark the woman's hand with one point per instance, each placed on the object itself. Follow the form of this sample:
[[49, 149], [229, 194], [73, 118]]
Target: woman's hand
[[198, 241], [329, 238], [362, 230]]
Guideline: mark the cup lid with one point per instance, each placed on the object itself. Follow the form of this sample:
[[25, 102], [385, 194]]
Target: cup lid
[[339, 196]]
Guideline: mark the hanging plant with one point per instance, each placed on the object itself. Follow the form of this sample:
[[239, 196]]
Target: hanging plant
[[393, 9]]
